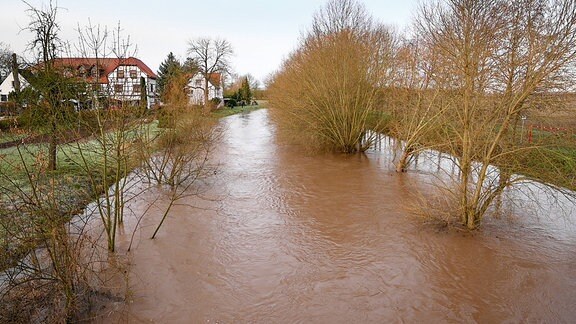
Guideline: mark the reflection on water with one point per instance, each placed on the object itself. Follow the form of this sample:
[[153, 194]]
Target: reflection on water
[[291, 238]]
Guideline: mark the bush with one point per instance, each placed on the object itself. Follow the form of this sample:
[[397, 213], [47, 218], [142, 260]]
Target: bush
[[8, 124], [89, 118], [165, 119], [231, 103], [8, 108], [214, 103]]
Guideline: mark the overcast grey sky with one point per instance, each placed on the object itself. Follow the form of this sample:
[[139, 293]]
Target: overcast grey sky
[[262, 32]]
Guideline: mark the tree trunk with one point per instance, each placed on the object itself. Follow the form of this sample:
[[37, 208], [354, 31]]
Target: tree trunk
[[206, 91], [403, 162], [143, 96], [52, 149]]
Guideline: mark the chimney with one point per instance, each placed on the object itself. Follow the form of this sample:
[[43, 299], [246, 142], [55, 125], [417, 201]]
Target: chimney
[[15, 73]]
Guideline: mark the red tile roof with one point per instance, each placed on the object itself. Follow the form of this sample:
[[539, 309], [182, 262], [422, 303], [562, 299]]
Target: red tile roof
[[106, 65], [215, 78]]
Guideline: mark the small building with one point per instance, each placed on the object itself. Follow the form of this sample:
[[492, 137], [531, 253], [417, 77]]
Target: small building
[[197, 84]]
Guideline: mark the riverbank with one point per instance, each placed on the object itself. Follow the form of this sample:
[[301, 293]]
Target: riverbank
[[280, 236], [227, 111], [36, 203]]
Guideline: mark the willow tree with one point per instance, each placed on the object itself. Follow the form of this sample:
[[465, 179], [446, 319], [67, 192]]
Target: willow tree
[[494, 58], [326, 91], [412, 103]]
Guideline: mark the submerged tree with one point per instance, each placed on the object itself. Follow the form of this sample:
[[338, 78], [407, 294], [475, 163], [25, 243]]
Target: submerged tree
[[328, 88], [411, 103], [493, 57]]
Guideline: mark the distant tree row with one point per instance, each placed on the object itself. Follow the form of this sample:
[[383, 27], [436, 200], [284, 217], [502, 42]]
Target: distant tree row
[[243, 89]]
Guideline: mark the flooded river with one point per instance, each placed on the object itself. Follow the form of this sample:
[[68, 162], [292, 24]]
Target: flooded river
[[283, 237]]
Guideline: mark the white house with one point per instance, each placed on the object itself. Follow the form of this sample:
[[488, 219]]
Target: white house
[[7, 86], [197, 84], [115, 78]]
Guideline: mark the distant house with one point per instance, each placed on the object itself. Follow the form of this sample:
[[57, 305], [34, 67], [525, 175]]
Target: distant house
[[119, 79], [115, 78], [7, 86], [197, 84]]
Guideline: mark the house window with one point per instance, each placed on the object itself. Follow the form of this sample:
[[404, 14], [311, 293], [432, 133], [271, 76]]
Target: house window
[[120, 73], [3, 98], [136, 88], [118, 88], [133, 74], [198, 82], [151, 87]]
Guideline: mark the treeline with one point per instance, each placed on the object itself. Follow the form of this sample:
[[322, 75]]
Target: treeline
[[460, 82]]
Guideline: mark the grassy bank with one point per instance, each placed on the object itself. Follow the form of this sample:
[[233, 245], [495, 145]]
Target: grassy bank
[[79, 179], [226, 111], [31, 194]]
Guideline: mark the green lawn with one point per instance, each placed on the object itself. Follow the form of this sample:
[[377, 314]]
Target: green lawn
[[6, 137]]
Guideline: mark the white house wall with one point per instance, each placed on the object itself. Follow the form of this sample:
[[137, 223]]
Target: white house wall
[[130, 83], [7, 86], [196, 94]]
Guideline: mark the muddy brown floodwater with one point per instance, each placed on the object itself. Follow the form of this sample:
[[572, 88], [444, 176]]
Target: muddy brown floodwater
[[289, 238]]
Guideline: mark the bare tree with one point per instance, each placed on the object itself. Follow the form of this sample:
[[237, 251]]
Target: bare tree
[[5, 61], [112, 132], [212, 56], [411, 103], [326, 93], [337, 16], [46, 81], [493, 57], [44, 25]]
